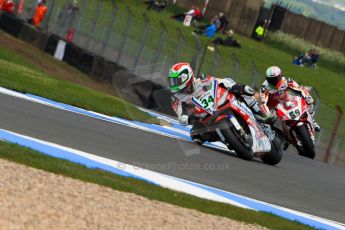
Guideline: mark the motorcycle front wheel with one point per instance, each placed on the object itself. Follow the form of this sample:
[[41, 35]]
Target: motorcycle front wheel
[[307, 149], [233, 142], [275, 155]]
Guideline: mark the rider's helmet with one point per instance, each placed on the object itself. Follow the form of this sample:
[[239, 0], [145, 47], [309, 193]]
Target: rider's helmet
[[273, 75], [181, 78]]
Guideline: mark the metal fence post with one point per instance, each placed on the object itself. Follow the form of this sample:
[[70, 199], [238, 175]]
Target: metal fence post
[[161, 43], [77, 23], [62, 19], [318, 100], [16, 3], [255, 74], [216, 61], [334, 133], [109, 27], [179, 46], [125, 36], [45, 25], [94, 23], [198, 56], [143, 40], [235, 66], [32, 7]]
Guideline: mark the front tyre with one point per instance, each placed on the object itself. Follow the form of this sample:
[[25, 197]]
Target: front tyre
[[233, 142], [275, 155], [308, 149]]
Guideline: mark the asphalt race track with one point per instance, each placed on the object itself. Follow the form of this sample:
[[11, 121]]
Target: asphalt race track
[[296, 183]]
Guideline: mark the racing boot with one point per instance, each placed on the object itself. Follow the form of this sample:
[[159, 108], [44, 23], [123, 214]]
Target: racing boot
[[197, 139], [316, 126]]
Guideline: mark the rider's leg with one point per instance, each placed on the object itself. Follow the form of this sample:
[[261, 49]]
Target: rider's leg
[[253, 105], [316, 126]]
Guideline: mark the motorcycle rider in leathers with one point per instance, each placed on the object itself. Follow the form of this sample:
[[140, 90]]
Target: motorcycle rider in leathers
[[271, 90], [183, 86]]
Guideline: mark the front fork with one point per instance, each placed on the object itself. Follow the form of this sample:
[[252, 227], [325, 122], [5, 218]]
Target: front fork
[[310, 130]]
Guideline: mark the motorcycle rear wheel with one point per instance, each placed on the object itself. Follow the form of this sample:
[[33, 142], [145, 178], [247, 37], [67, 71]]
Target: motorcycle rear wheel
[[233, 142], [307, 149]]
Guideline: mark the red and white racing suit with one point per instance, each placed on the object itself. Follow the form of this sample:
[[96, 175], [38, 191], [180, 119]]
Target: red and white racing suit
[[184, 107], [271, 95]]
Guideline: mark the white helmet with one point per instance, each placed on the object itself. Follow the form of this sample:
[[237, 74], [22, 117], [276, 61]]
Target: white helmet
[[273, 75]]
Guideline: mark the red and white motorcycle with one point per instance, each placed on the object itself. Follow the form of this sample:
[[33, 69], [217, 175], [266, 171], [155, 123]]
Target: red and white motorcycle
[[230, 121], [293, 111]]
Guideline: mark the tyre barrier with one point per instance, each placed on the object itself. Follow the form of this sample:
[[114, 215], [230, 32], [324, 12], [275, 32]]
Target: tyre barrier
[[11, 24], [51, 44], [33, 36]]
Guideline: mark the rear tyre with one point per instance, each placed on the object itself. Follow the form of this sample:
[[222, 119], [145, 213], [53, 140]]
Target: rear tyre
[[275, 155], [233, 142], [308, 149]]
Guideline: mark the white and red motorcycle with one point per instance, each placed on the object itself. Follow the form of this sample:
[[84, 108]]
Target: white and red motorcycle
[[230, 121], [293, 112]]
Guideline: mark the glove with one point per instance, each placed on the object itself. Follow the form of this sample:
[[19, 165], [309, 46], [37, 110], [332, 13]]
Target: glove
[[187, 120], [270, 119], [183, 120], [237, 89], [309, 100]]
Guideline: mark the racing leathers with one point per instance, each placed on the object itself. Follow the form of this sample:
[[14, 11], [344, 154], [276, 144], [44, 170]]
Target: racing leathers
[[270, 96], [184, 107]]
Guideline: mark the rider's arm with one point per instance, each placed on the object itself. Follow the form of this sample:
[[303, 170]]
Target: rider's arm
[[264, 96], [178, 108], [300, 89], [236, 88]]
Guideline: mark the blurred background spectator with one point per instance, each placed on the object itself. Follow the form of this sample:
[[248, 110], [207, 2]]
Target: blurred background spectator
[[228, 41], [180, 17], [309, 59], [224, 22], [156, 5], [7, 6], [39, 14], [259, 33]]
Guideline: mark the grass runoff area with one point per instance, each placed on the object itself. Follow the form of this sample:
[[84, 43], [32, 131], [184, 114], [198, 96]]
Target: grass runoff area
[[19, 74], [66, 168]]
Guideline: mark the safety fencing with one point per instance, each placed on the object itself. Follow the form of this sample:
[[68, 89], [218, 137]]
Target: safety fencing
[[146, 48]]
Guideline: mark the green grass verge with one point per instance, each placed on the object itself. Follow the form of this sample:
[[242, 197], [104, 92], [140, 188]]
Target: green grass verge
[[10, 56], [38, 160], [27, 80]]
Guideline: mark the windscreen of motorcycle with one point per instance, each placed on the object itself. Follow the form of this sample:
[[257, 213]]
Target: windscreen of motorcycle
[[207, 100]]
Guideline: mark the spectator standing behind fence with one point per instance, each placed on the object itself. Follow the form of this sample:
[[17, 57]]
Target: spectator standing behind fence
[[39, 14], [72, 11], [7, 6], [259, 33]]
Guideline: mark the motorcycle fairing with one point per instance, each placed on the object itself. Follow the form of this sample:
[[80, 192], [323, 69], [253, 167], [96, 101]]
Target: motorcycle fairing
[[261, 142], [207, 101]]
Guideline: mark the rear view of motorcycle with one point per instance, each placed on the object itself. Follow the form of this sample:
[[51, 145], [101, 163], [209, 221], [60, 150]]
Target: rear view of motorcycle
[[234, 124]]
